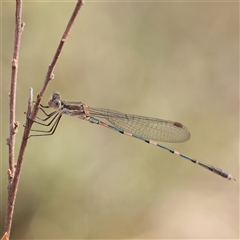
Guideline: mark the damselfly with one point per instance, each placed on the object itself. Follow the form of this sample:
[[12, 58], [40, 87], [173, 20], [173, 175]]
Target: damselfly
[[143, 128]]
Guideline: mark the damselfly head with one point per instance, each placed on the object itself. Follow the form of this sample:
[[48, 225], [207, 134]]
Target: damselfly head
[[55, 101]]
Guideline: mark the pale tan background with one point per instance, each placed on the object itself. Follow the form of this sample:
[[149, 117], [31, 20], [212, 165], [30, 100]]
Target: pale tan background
[[177, 61]]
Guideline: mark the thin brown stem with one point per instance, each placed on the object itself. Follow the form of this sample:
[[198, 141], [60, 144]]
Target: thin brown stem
[[12, 188], [13, 124], [12, 95], [15, 169]]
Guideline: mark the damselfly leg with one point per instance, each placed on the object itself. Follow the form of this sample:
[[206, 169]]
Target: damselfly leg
[[54, 118]]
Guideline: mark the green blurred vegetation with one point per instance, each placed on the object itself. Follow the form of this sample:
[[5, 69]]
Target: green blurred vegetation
[[176, 61]]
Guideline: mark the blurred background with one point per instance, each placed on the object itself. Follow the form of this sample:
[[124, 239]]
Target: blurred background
[[176, 61]]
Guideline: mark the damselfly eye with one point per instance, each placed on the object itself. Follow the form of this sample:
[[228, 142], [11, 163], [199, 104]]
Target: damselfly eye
[[56, 104], [55, 101]]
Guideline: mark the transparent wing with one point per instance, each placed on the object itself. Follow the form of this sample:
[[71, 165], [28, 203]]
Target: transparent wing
[[146, 127]]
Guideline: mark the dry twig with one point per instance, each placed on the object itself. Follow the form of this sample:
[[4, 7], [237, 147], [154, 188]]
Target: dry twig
[[15, 168]]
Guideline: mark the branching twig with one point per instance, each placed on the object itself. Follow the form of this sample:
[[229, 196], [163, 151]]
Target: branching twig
[[15, 169], [51, 67]]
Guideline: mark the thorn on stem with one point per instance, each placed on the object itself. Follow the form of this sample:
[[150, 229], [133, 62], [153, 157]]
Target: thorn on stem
[[52, 76], [9, 173], [22, 26], [15, 127], [8, 141], [14, 62]]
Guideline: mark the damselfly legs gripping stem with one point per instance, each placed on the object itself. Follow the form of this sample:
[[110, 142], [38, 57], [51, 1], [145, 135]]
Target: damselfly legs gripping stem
[[143, 128]]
